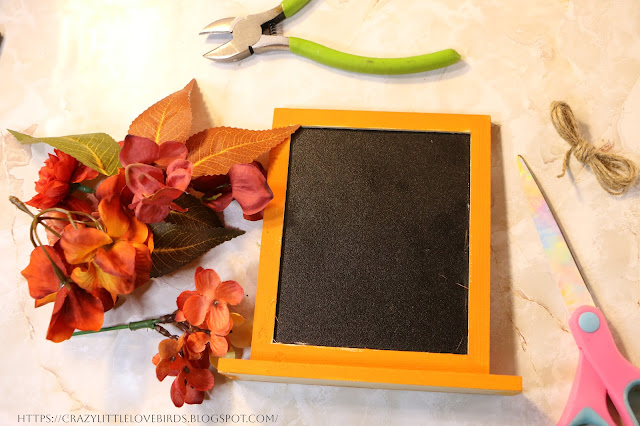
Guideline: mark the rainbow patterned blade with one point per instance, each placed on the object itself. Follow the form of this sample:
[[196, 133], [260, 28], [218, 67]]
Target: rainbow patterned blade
[[563, 267]]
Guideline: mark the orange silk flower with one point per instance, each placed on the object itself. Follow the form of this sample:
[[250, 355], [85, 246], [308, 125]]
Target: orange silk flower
[[207, 307], [117, 260]]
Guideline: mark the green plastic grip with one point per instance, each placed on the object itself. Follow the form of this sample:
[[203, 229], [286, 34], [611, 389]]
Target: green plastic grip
[[362, 64], [291, 7]]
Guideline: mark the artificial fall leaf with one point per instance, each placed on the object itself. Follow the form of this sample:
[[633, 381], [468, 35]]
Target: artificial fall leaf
[[96, 150], [214, 151], [197, 216], [175, 245], [166, 120]]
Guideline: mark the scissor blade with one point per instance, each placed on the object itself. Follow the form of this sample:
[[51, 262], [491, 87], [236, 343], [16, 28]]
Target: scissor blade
[[563, 266]]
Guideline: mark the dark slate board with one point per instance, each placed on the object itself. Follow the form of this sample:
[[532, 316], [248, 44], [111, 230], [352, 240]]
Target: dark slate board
[[375, 247]]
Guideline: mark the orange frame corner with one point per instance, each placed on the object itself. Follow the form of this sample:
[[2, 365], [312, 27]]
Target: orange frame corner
[[477, 359]]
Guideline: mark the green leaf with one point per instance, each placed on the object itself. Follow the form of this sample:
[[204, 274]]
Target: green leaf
[[175, 245], [96, 150], [198, 216]]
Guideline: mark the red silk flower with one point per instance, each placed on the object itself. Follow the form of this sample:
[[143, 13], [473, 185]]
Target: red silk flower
[[156, 175], [53, 187], [187, 359], [245, 183], [74, 308]]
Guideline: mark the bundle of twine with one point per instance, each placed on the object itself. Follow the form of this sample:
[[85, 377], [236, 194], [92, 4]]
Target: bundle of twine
[[615, 173]]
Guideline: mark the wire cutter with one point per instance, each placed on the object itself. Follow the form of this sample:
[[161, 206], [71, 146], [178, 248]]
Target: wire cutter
[[259, 33], [602, 370]]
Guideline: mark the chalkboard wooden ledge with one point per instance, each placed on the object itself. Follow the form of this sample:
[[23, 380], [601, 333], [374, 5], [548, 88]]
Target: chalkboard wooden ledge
[[369, 377]]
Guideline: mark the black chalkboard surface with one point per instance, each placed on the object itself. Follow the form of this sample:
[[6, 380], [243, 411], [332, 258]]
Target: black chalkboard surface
[[375, 247]]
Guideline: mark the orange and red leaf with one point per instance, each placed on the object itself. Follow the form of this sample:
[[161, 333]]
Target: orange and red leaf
[[214, 151], [167, 120]]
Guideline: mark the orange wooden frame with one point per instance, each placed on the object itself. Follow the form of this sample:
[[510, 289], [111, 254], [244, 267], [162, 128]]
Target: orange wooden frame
[[282, 359]]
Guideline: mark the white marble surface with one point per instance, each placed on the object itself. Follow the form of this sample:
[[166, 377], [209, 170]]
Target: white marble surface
[[83, 66]]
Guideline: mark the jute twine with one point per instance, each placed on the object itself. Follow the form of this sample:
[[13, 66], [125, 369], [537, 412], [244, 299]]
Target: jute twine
[[615, 173]]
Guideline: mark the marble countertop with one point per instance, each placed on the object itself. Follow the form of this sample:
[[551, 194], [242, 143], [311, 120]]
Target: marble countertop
[[79, 66]]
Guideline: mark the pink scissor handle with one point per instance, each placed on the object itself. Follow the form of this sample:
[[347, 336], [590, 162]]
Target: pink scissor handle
[[587, 402], [602, 370]]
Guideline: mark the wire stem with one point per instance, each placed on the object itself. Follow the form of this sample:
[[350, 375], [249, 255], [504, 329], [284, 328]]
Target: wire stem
[[134, 325], [20, 205], [23, 208]]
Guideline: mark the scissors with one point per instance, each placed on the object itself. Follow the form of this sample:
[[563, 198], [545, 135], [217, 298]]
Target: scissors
[[602, 370], [259, 33]]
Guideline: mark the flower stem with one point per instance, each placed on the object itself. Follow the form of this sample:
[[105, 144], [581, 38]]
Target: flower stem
[[20, 205], [82, 188], [115, 327], [135, 325], [23, 208]]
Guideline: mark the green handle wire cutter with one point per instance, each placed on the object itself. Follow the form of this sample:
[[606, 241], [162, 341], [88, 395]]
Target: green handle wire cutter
[[258, 33]]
